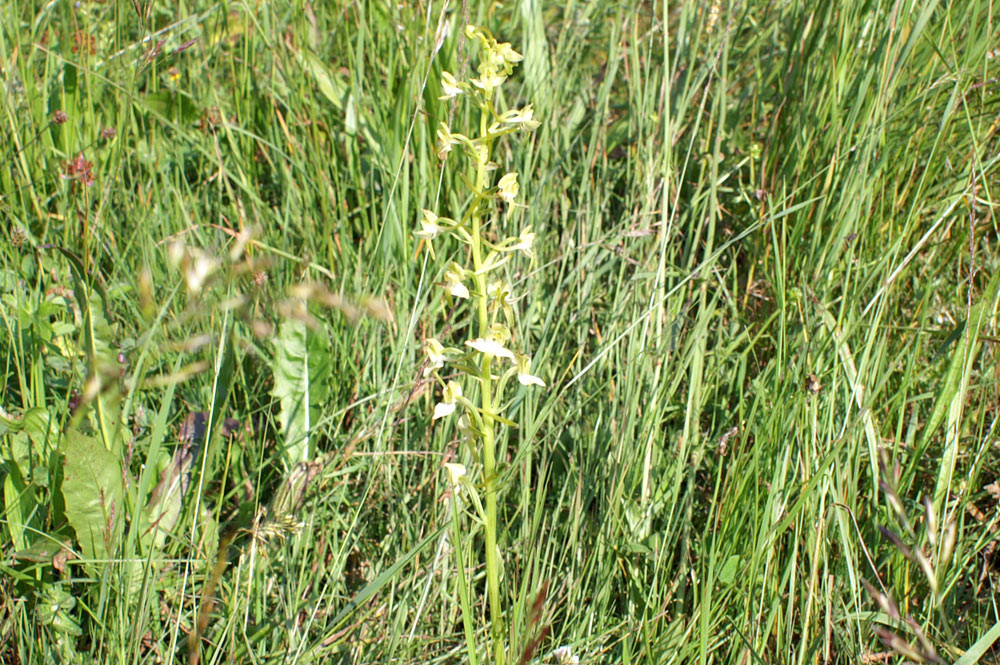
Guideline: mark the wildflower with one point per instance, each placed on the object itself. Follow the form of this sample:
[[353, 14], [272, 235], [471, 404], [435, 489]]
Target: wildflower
[[445, 139], [455, 473], [435, 355], [451, 87], [78, 169], [489, 78], [508, 187], [429, 227], [525, 241], [521, 118], [465, 425], [446, 406], [564, 656], [453, 281], [493, 344], [506, 53], [524, 375]]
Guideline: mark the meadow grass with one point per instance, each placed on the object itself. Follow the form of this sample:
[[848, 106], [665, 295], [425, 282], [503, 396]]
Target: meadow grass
[[763, 301]]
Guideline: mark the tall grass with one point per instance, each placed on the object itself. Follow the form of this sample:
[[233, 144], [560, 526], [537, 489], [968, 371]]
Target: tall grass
[[764, 297]]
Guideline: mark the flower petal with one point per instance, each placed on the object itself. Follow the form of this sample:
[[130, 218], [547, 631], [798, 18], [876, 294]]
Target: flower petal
[[490, 346]]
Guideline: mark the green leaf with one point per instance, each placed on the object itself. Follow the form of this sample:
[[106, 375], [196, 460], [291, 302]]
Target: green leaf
[[301, 383], [19, 504], [163, 509], [93, 489], [173, 107]]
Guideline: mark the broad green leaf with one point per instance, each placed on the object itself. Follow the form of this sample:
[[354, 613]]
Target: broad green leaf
[[164, 506], [93, 489], [19, 502], [173, 107], [301, 383]]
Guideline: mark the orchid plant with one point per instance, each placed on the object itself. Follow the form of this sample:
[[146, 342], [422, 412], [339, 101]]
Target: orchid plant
[[491, 357]]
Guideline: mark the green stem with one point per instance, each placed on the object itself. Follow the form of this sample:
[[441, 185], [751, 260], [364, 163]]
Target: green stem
[[489, 438], [463, 583]]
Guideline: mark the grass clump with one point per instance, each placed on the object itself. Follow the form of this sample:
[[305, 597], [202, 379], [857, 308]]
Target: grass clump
[[762, 295]]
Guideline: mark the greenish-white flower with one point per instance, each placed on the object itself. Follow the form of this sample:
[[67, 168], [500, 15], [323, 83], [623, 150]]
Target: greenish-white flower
[[465, 425], [521, 118], [507, 53], [524, 375], [525, 242], [508, 187], [455, 473], [435, 355], [450, 86], [429, 226], [445, 139], [490, 78], [453, 281], [493, 344], [446, 406], [564, 656]]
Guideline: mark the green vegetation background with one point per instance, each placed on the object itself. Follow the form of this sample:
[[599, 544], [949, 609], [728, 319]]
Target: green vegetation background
[[764, 302]]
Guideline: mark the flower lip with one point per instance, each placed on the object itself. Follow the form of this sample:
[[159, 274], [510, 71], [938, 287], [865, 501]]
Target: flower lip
[[524, 375], [450, 86], [455, 473], [508, 187], [491, 346], [453, 281]]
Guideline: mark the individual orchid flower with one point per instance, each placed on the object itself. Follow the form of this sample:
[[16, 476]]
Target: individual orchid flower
[[453, 281], [446, 407], [500, 291], [524, 375], [445, 139], [508, 187], [489, 78], [525, 241], [564, 656], [451, 87], [520, 118], [429, 226], [465, 425], [508, 55], [435, 355], [493, 344], [455, 473]]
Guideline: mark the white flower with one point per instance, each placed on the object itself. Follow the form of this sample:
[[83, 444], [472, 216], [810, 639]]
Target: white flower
[[455, 473], [429, 227], [489, 78], [492, 346], [564, 656], [525, 242], [508, 187], [446, 406], [453, 281], [435, 355], [499, 290], [507, 53], [524, 375], [523, 118], [445, 139], [450, 86]]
